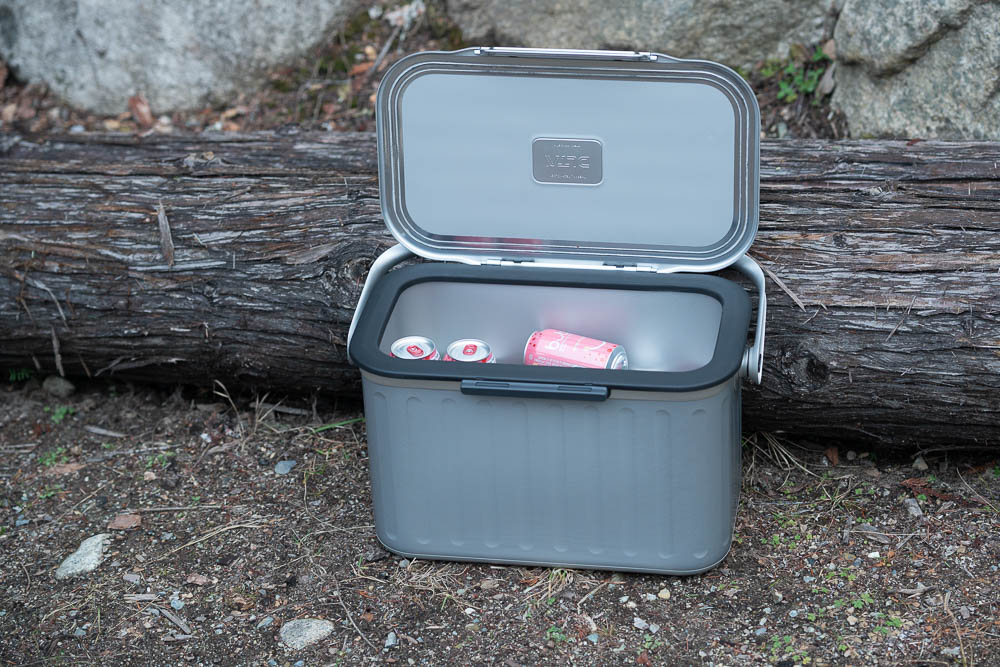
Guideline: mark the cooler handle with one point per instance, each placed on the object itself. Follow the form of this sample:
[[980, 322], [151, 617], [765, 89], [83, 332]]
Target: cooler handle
[[580, 392], [752, 367], [379, 268]]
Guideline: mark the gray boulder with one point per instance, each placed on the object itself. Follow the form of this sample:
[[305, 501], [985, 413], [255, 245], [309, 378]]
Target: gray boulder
[[910, 68], [180, 54], [735, 33]]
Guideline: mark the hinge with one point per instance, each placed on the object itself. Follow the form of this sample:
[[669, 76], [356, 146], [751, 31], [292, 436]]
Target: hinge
[[499, 261], [638, 268]]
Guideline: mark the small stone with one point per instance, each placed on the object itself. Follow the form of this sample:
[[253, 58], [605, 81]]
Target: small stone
[[302, 632], [132, 578], [760, 632], [77, 129], [488, 584], [86, 558], [631, 605], [284, 467], [778, 597], [391, 639], [472, 628], [265, 622], [640, 623], [58, 386], [767, 610], [404, 563], [793, 613], [953, 651], [919, 464], [654, 628], [299, 663], [852, 620], [125, 522], [21, 522], [177, 604], [198, 580], [593, 638], [664, 594], [166, 537], [874, 555], [649, 597], [79, 632], [913, 508], [807, 579], [851, 455], [623, 599]]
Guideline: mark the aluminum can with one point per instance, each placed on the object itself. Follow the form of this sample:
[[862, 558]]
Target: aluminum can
[[470, 349], [552, 347], [415, 347]]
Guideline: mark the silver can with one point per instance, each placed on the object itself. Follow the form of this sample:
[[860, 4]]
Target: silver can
[[470, 349], [415, 347]]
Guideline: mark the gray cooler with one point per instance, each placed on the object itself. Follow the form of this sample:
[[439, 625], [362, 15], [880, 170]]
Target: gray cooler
[[589, 191]]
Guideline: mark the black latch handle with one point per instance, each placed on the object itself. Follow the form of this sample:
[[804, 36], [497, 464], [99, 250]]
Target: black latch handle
[[579, 392]]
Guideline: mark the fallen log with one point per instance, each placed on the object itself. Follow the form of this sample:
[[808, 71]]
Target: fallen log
[[240, 258]]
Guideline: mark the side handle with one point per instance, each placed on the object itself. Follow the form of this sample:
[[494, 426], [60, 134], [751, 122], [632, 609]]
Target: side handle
[[753, 357], [379, 268]]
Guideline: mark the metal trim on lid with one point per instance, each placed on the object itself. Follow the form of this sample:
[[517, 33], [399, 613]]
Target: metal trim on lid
[[567, 252]]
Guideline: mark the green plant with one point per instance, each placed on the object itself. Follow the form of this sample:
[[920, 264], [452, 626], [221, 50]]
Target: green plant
[[922, 497], [650, 643], [107, 445], [195, 500], [555, 634], [60, 413], [996, 471], [797, 78], [162, 459], [20, 374], [52, 457], [49, 491], [892, 623], [780, 645], [864, 600]]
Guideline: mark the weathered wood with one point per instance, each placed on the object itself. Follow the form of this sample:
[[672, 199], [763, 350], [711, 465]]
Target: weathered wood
[[894, 250]]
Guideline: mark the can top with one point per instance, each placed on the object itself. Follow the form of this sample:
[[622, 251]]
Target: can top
[[569, 158]]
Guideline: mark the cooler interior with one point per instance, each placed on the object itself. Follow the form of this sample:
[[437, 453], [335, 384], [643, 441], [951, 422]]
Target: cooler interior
[[661, 330]]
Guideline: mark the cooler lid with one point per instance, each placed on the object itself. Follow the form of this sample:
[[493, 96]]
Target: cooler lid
[[569, 158]]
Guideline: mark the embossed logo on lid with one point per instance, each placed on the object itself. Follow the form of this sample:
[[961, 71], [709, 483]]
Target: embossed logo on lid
[[567, 161]]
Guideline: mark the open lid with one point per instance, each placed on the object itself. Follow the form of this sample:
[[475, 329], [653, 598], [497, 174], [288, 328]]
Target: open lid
[[569, 158]]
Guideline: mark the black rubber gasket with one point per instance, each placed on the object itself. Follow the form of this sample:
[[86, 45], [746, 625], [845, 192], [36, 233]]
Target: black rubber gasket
[[725, 362]]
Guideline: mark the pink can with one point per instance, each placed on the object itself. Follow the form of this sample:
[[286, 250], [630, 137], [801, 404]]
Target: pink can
[[552, 347], [415, 347], [470, 349]]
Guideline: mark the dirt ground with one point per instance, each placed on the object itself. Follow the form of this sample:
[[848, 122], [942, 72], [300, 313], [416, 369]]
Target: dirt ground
[[828, 566]]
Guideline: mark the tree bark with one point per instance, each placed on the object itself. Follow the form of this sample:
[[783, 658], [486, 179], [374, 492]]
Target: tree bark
[[886, 332]]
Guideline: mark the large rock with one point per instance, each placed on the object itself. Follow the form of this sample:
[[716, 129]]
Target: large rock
[[180, 53], [86, 558], [729, 31], [911, 68]]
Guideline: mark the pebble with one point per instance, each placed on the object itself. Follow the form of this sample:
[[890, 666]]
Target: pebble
[[793, 613], [299, 663], [472, 628], [391, 639], [79, 632], [649, 597], [874, 555], [177, 604], [664, 594], [265, 622], [284, 467], [166, 537], [913, 508], [21, 522], [640, 623], [592, 638], [58, 386], [132, 578], [851, 620], [760, 631], [86, 558], [302, 632], [654, 628], [404, 563], [920, 464], [807, 579], [77, 129]]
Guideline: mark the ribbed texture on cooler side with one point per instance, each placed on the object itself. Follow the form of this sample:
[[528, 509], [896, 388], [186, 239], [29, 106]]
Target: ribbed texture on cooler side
[[620, 484]]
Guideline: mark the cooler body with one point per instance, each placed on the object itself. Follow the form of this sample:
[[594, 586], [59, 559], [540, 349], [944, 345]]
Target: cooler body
[[633, 469], [641, 482]]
